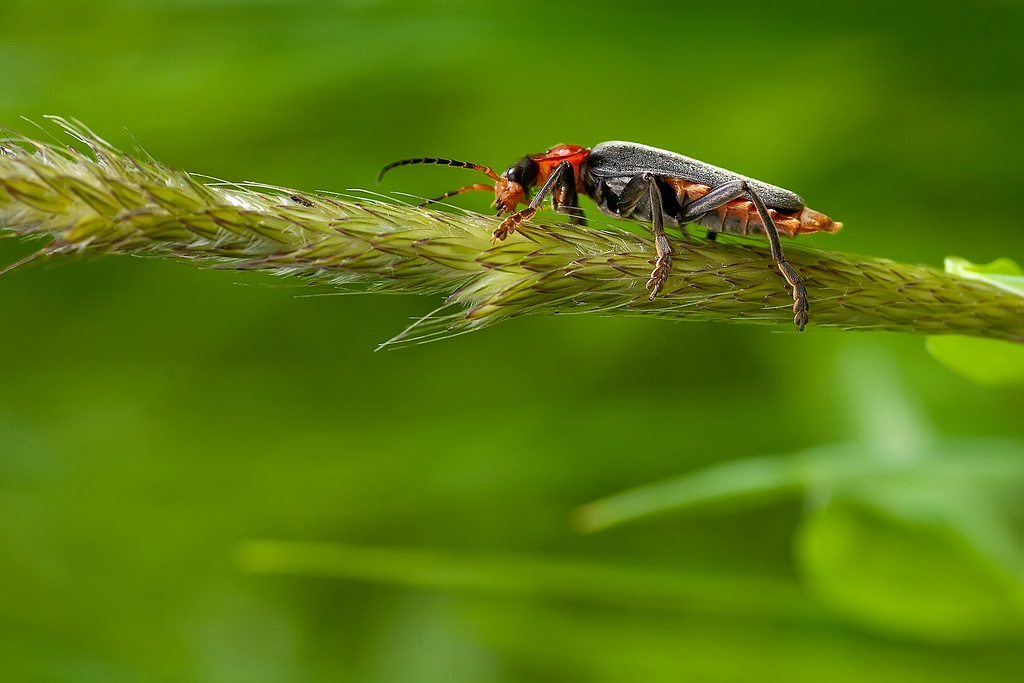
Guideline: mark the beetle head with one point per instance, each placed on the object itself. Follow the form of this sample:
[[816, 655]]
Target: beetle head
[[510, 188], [514, 184]]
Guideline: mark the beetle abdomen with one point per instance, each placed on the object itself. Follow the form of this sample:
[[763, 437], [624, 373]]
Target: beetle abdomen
[[740, 216]]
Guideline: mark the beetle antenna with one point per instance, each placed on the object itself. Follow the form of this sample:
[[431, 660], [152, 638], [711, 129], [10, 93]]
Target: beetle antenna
[[442, 162]]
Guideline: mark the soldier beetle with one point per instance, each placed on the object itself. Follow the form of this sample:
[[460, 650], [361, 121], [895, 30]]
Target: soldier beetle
[[630, 180]]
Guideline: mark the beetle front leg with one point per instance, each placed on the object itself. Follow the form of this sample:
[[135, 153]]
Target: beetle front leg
[[722, 195], [509, 225]]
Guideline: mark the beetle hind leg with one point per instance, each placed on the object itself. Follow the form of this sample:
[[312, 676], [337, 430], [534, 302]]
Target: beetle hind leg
[[722, 195], [799, 294]]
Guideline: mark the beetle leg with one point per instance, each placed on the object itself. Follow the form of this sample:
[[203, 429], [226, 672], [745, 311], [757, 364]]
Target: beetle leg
[[629, 198], [571, 208], [576, 215], [723, 194], [509, 225], [663, 264], [565, 199], [468, 188], [632, 193]]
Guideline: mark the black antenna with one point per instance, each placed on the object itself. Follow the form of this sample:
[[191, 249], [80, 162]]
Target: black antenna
[[441, 162]]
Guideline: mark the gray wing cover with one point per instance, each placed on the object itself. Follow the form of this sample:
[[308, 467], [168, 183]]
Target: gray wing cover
[[627, 159]]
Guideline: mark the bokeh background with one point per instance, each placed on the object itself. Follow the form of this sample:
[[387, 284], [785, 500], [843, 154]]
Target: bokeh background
[[156, 418]]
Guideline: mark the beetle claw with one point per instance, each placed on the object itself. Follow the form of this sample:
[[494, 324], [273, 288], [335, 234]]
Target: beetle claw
[[509, 225], [799, 295], [502, 231], [663, 264], [800, 306]]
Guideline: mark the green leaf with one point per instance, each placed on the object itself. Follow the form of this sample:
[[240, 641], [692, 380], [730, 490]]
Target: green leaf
[[1002, 272], [988, 362], [907, 578]]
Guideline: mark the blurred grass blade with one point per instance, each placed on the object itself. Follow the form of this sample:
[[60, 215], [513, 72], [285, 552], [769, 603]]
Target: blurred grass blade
[[743, 479], [530, 576], [816, 472]]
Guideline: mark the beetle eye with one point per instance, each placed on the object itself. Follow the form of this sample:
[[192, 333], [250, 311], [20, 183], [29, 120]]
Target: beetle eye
[[523, 172], [528, 171]]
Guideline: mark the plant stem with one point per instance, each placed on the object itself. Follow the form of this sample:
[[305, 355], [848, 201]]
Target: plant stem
[[113, 203]]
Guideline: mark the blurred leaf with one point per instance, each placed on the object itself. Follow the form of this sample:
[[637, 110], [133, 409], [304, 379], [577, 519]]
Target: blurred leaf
[[904, 577], [1002, 273], [988, 362], [950, 517], [900, 507], [629, 647], [968, 489], [928, 550], [894, 432]]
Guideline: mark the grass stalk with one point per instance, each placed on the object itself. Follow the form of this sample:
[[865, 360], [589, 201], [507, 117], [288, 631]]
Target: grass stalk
[[108, 202]]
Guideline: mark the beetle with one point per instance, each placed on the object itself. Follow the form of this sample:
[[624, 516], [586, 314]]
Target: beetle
[[635, 181]]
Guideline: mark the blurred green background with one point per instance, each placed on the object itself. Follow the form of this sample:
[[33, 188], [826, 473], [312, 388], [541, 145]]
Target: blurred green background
[[155, 418]]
